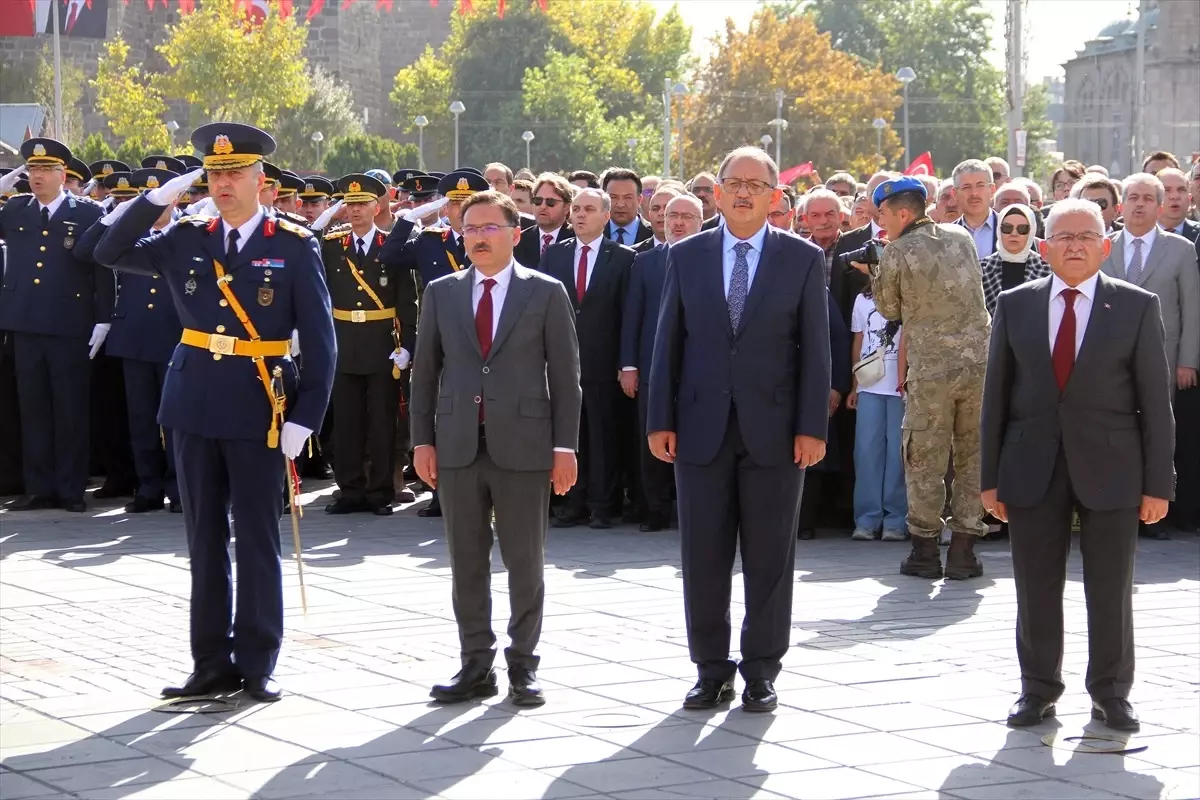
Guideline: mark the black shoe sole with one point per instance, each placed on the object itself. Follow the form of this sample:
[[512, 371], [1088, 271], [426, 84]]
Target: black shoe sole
[[526, 701], [486, 690], [956, 575], [726, 696], [1014, 722], [233, 684], [925, 572], [1100, 716], [758, 708]]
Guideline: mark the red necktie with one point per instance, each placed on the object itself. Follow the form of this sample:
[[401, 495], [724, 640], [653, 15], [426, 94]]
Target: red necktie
[[581, 273], [71, 18], [483, 326], [1063, 354], [545, 242]]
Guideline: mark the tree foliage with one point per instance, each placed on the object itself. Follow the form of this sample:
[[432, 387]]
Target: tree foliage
[[830, 101], [228, 68], [93, 149], [613, 56], [1038, 126], [132, 105], [956, 102], [358, 153], [33, 82], [329, 109]]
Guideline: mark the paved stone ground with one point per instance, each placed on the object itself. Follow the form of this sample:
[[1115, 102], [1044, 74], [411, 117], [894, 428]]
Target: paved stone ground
[[895, 687]]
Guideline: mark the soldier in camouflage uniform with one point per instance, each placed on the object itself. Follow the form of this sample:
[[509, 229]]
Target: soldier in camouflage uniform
[[929, 277]]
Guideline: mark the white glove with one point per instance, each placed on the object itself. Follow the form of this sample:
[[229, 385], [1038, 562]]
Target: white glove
[[292, 439], [420, 212], [115, 214], [401, 359], [99, 334], [294, 349], [86, 191], [169, 192], [320, 222], [10, 180], [203, 206]]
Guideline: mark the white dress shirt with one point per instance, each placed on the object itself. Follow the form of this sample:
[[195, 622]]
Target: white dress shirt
[[553, 234], [363, 242], [1083, 308], [728, 257], [1147, 243], [244, 230], [54, 204], [593, 250]]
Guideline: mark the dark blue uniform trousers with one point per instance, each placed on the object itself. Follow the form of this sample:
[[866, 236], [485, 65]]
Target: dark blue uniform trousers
[[153, 447], [53, 379], [217, 476]]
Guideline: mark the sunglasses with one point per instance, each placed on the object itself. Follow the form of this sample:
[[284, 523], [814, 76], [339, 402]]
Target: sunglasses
[[548, 202], [1006, 227], [1100, 201]]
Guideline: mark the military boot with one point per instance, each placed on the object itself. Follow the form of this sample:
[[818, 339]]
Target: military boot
[[924, 561], [961, 562]]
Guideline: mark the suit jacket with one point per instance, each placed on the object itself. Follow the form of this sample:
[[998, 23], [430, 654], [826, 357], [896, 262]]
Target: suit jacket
[[645, 245], [598, 316], [845, 282], [1170, 272], [1191, 232], [775, 367], [1113, 421], [528, 251], [712, 222], [529, 383], [640, 315]]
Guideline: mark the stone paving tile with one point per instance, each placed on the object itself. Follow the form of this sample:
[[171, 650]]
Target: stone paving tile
[[893, 688]]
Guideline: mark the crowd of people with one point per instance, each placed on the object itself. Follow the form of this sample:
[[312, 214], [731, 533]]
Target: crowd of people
[[726, 354]]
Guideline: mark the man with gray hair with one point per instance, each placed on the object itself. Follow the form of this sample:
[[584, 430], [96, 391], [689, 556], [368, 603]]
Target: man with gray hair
[[1035, 191], [973, 186], [1000, 170], [1092, 434], [947, 204], [842, 184]]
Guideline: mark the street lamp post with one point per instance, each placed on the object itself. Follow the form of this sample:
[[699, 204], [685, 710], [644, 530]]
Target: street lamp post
[[317, 138], [528, 137], [421, 122], [879, 124], [780, 126], [679, 90], [172, 126], [906, 76], [456, 108], [632, 144], [765, 141]]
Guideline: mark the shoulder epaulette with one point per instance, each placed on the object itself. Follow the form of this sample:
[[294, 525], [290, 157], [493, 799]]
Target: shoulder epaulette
[[336, 233], [199, 220], [435, 229], [293, 228]]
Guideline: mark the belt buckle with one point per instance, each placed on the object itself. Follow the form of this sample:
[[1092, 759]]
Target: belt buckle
[[358, 315], [220, 344]]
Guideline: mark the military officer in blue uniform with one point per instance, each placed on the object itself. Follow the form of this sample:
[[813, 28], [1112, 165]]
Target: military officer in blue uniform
[[78, 175], [57, 307], [287, 199], [198, 190], [234, 399], [119, 187], [101, 170], [314, 197]]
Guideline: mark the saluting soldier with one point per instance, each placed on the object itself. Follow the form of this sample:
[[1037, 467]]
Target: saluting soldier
[[375, 317], [314, 197], [242, 282], [101, 170], [287, 199], [57, 308], [198, 190]]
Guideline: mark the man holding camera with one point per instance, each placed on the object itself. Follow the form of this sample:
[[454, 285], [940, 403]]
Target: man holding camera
[[928, 277]]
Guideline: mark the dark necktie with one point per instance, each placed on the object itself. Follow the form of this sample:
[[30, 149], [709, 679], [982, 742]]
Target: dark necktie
[[231, 250], [546, 239], [483, 326], [581, 273], [620, 236], [1063, 354], [361, 251], [45, 218], [739, 284]]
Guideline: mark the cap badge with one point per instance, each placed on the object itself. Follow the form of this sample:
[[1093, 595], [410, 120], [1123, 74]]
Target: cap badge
[[354, 187], [39, 149], [122, 183], [160, 164], [308, 188], [221, 145], [463, 185], [107, 169], [888, 189], [151, 182]]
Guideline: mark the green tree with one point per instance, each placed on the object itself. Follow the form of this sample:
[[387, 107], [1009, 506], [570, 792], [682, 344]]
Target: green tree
[[93, 149], [133, 150], [956, 101], [1038, 165], [329, 109], [32, 81], [228, 68], [359, 153], [133, 107]]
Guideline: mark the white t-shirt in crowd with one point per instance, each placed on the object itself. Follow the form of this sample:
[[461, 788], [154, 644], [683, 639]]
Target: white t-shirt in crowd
[[865, 319]]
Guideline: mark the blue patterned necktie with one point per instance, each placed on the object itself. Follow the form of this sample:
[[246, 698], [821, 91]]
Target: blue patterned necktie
[[739, 284]]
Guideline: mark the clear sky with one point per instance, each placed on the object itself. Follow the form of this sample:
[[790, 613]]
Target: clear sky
[[1055, 28]]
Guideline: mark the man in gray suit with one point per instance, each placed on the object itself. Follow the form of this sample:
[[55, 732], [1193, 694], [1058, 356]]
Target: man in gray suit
[[1076, 416], [495, 422]]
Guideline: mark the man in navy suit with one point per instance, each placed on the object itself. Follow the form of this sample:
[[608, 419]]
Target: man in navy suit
[[739, 402], [638, 322]]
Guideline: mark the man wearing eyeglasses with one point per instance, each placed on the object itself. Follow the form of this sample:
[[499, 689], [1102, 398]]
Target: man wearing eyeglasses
[[1101, 190], [974, 186], [1076, 416], [552, 196]]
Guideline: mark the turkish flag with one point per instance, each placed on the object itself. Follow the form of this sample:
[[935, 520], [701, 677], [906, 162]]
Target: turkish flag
[[24, 17], [791, 174], [921, 165]]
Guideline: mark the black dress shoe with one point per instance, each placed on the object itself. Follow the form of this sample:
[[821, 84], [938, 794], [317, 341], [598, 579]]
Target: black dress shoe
[[1029, 710], [140, 505], [11, 489], [176, 507], [634, 516], [262, 690], [653, 523], [600, 522], [473, 680], [405, 496], [1116, 713], [344, 505], [524, 689], [434, 509], [107, 492], [410, 473], [205, 682], [74, 506], [759, 695], [382, 511], [708, 693], [35, 502], [569, 520]]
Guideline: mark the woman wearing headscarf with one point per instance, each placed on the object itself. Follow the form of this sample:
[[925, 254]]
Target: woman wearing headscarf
[[1016, 259]]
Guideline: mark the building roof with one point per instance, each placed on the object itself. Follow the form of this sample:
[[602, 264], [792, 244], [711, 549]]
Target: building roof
[[16, 118]]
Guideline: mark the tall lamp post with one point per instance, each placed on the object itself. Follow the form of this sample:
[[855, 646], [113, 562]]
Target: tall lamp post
[[421, 122], [632, 145], [317, 138], [906, 76], [172, 126], [765, 141], [456, 108], [528, 137], [780, 126], [879, 124], [679, 90]]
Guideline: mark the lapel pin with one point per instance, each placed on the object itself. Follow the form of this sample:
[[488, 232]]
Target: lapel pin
[[1106, 305]]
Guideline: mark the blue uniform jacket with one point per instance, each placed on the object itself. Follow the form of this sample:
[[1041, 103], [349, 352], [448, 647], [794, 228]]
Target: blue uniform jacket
[[428, 252], [47, 288], [145, 325], [277, 277], [640, 317]]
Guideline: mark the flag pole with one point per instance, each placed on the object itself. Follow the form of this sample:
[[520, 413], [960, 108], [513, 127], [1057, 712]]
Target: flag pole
[[58, 131]]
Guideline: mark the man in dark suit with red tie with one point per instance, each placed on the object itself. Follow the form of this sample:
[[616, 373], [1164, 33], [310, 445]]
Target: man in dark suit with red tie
[[595, 272], [1076, 417]]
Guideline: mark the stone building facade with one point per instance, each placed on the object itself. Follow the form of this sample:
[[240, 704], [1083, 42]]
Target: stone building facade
[[1100, 98], [360, 45]]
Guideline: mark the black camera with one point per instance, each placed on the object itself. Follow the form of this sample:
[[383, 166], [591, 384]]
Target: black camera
[[867, 254]]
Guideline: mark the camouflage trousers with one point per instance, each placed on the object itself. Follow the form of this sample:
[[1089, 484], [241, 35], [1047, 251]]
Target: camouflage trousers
[[941, 420]]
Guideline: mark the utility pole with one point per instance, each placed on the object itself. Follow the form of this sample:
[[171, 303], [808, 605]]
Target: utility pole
[[666, 127], [1016, 88], [1139, 89], [58, 123]]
